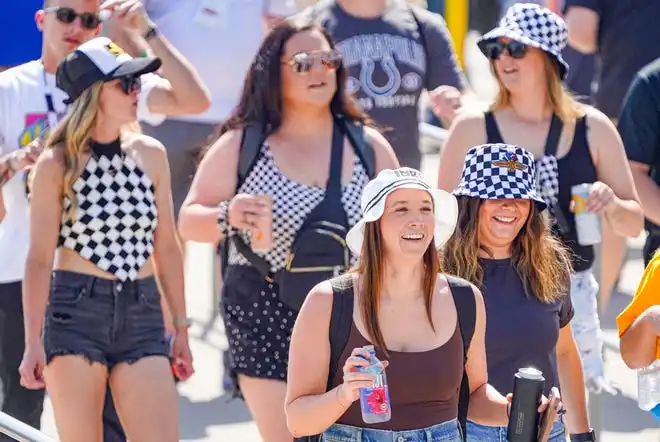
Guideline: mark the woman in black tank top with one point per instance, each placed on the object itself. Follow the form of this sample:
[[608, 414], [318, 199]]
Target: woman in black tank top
[[533, 110]]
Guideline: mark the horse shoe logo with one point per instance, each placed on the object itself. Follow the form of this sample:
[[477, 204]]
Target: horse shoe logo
[[393, 77]]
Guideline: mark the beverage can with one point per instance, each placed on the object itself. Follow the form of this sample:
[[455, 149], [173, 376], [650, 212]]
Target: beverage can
[[262, 236], [587, 223]]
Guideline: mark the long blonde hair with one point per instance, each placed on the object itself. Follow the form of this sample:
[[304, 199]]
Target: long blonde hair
[[541, 261], [73, 134], [563, 104]]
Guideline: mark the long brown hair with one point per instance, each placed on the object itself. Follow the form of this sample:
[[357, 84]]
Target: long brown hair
[[261, 100], [542, 262], [371, 270], [563, 103]]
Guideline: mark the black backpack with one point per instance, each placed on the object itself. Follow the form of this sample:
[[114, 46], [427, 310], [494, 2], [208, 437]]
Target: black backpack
[[341, 323]]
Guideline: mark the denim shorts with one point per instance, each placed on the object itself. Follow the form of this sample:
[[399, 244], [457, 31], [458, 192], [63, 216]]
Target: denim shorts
[[104, 320], [482, 433], [444, 432]]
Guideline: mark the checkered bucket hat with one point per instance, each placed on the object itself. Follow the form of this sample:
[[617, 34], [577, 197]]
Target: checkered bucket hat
[[499, 171], [534, 26]]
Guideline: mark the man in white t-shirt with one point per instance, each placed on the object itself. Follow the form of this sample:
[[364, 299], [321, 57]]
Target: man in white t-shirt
[[220, 38], [31, 104]]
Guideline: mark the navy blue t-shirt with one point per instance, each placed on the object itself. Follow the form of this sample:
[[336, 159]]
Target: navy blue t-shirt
[[521, 331]]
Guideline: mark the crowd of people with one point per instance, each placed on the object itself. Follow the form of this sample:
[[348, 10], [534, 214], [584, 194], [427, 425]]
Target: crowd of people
[[293, 148]]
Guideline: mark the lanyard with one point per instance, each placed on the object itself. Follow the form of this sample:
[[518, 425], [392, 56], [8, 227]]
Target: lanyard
[[50, 106]]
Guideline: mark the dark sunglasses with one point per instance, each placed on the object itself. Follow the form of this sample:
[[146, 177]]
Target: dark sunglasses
[[303, 62], [130, 84], [494, 49], [68, 15]]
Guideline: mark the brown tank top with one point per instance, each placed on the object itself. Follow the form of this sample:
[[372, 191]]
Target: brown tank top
[[424, 386]]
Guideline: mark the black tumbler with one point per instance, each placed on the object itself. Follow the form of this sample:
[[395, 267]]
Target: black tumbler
[[524, 419]]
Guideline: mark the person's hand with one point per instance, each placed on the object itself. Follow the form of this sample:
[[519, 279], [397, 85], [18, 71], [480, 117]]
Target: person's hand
[[445, 101], [26, 157], [182, 360], [601, 197], [126, 14], [349, 390], [32, 367], [543, 404], [245, 211]]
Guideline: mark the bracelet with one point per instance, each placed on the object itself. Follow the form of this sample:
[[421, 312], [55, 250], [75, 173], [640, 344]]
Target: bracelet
[[223, 218], [178, 322], [152, 32]]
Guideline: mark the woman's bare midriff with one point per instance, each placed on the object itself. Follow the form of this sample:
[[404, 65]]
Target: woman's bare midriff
[[70, 261]]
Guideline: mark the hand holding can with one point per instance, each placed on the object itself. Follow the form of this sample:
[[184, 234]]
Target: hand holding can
[[587, 223], [262, 233]]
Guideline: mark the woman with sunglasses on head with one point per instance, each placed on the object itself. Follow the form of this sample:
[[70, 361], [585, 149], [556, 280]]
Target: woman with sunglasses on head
[[397, 300], [309, 170], [573, 144], [102, 223], [503, 245]]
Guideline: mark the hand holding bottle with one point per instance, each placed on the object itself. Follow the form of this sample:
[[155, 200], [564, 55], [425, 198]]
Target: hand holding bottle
[[354, 379]]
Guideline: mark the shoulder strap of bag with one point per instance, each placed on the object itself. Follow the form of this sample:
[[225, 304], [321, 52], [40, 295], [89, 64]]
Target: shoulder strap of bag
[[466, 310], [340, 321], [358, 139], [253, 137], [340, 328], [554, 133]]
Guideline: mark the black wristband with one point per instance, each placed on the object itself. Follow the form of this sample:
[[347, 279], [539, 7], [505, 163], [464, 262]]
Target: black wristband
[[151, 33], [584, 437]]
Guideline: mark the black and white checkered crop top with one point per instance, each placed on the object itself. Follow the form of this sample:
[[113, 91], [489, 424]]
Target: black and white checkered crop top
[[117, 216]]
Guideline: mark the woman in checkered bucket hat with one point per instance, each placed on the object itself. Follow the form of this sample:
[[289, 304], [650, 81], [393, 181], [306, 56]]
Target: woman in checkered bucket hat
[[503, 244], [573, 144]]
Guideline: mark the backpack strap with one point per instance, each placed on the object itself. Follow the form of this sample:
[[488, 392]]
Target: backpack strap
[[253, 137], [358, 139], [466, 310], [340, 321], [340, 328]]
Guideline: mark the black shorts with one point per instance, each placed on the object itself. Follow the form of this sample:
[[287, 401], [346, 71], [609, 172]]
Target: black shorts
[[104, 320]]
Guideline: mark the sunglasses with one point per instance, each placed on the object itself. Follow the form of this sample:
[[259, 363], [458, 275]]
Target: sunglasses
[[68, 15], [494, 49], [130, 84], [303, 62]]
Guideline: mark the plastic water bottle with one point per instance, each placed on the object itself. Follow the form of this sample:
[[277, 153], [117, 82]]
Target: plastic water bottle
[[648, 388], [375, 401]]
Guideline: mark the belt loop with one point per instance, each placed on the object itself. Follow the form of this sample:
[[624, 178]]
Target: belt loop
[[89, 285]]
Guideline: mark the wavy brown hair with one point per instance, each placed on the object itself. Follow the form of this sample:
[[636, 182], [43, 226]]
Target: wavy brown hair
[[542, 262], [563, 104], [261, 100], [370, 272]]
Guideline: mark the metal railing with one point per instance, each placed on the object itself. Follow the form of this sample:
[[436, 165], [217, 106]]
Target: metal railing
[[21, 432]]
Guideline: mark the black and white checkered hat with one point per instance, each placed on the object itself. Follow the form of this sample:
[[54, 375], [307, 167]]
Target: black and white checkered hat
[[534, 26], [499, 171]]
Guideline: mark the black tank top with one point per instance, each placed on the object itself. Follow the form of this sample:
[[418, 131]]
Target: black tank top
[[576, 167]]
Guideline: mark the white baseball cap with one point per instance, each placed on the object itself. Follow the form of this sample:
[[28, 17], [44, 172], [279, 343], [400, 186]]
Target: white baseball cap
[[373, 204]]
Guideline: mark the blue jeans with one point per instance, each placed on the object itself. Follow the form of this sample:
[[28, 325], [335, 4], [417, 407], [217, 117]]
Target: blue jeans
[[482, 433], [444, 432]]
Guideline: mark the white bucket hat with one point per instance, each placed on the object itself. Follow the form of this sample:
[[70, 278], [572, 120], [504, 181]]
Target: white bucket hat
[[373, 204]]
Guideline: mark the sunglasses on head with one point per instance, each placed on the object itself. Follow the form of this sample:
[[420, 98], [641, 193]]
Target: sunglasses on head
[[68, 15], [130, 84], [494, 49], [303, 62]]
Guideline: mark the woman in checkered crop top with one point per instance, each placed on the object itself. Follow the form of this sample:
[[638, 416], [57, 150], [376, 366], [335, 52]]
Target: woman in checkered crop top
[[294, 86], [102, 230]]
